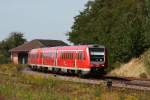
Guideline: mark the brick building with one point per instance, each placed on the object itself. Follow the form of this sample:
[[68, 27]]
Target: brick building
[[19, 55]]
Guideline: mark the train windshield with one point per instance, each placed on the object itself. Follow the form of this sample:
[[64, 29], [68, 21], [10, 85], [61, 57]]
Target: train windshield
[[97, 54]]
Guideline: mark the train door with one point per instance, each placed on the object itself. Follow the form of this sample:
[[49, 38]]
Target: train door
[[70, 61], [39, 57], [51, 54], [80, 59], [74, 60], [66, 62], [55, 58]]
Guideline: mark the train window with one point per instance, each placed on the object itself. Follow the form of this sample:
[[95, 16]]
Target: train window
[[44, 55], [47, 55], [97, 54], [62, 55], [67, 56], [30, 56], [50, 54], [34, 55], [71, 55], [83, 56], [80, 56]]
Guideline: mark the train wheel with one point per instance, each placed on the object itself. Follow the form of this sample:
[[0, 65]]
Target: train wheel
[[33, 68], [45, 69], [40, 69], [55, 70], [80, 74]]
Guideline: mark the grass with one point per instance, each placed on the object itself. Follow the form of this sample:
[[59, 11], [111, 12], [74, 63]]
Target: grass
[[136, 67], [15, 85], [146, 59]]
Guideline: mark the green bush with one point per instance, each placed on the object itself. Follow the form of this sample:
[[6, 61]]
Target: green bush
[[4, 59], [14, 39]]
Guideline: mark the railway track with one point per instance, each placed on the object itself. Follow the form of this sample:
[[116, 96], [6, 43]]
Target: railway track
[[109, 81]]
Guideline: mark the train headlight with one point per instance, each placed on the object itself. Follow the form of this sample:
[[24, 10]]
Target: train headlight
[[100, 59]]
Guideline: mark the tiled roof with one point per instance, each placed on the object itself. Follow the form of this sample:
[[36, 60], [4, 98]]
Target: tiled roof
[[37, 43]]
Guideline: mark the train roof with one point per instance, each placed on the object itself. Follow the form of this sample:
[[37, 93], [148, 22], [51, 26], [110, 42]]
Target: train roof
[[68, 47]]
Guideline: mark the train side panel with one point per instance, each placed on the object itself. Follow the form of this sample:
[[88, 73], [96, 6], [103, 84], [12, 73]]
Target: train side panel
[[66, 57], [77, 58], [48, 56], [82, 59]]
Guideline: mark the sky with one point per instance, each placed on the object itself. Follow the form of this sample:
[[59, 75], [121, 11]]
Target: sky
[[39, 19]]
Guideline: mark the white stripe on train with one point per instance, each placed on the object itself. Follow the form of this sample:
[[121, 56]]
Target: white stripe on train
[[62, 67]]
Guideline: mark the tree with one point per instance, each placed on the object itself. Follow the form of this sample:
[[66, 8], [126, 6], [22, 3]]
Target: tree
[[121, 25], [15, 39]]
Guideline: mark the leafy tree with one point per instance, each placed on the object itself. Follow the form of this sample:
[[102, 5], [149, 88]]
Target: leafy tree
[[121, 25], [15, 39]]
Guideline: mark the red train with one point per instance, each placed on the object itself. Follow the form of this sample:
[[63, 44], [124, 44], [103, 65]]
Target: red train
[[83, 59]]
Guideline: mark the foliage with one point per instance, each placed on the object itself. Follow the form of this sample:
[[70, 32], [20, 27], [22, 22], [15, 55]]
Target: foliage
[[121, 25], [14, 39]]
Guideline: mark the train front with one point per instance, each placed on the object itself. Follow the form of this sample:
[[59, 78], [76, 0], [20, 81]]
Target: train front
[[98, 59]]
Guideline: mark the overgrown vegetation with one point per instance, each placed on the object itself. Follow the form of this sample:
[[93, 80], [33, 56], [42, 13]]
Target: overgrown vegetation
[[146, 60], [13, 40], [19, 86], [121, 25]]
